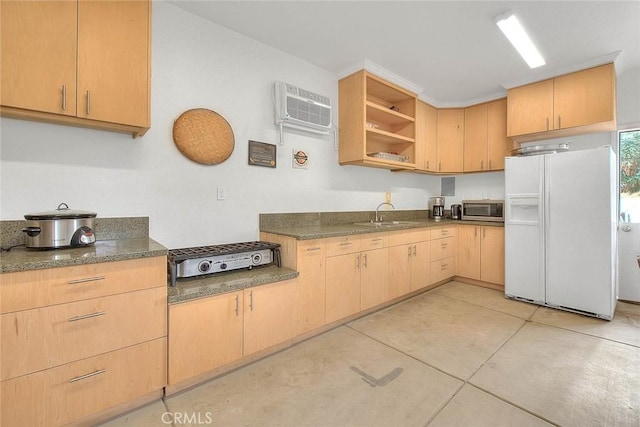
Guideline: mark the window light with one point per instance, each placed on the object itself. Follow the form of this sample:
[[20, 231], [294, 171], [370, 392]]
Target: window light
[[518, 37]]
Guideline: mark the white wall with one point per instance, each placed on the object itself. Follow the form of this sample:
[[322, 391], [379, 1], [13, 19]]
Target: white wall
[[199, 64], [196, 64]]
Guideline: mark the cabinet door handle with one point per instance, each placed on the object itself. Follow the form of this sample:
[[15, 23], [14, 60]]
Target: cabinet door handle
[[88, 103], [312, 249], [489, 163], [547, 123], [64, 97], [444, 266], [357, 261], [237, 305], [444, 245], [377, 240], [444, 232], [427, 164], [409, 252], [484, 233], [88, 279], [364, 260], [89, 375], [87, 316], [481, 164], [559, 125], [414, 250], [345, 244], [251, 300], [439, 166]]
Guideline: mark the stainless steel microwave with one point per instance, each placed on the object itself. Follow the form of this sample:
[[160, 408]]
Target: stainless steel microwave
[[483, 210]]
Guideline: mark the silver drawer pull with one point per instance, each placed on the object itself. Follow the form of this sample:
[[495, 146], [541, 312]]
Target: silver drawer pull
[[89, 375], [312, 249], [345, 244], [88, 279], [377, 240], [87, 316]]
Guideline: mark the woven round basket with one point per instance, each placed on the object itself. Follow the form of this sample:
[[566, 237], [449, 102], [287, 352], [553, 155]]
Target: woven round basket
[[203, 136]]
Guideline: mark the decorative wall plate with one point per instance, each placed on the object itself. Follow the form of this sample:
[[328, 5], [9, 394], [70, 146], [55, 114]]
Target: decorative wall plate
[[203, 136]]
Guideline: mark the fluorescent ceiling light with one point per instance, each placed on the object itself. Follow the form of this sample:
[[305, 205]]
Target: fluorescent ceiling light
[[518, 37]]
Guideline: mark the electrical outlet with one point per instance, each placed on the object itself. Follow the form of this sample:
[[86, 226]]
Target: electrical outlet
[[387, 197], [222, 193]]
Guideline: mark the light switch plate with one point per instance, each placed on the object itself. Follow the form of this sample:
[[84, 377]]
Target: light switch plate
[[222, 193]]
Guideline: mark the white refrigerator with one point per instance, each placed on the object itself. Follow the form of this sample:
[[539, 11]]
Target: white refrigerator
[[560, 230]]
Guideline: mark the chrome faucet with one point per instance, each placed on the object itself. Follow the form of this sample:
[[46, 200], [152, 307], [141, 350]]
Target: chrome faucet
[[379, 217]]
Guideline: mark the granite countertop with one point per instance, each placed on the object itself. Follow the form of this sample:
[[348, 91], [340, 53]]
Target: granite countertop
[[301, 232], [203, 286], [22, 259]]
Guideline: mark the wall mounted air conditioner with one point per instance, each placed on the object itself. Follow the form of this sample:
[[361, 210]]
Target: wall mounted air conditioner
[[303, 110]]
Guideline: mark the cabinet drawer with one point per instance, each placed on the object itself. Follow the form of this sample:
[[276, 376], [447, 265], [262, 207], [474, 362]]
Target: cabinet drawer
[[59, 396], [405, 237], [41, 338], [310, 248], [39, 288], [440, 233], [443, 269], [342, 245], [443, 248], [373, 241]]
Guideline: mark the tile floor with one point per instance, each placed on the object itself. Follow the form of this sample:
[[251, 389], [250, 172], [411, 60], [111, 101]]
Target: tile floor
[[458, 355]]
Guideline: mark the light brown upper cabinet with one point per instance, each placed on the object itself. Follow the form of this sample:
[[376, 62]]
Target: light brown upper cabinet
[[426, 138], [485, 137], [377, 123], [450, 140], [84, 63], [573, 104]]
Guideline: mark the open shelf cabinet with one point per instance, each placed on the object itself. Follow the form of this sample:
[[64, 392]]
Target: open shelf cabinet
[[377, 121]]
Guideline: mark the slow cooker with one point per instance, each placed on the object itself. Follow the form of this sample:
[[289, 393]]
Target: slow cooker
[[60, 228]]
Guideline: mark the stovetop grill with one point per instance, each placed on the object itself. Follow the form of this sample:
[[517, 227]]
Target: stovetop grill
[[201, 260], [216, 250]]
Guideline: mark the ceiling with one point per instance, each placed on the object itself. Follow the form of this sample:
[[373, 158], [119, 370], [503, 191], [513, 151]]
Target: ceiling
[[450, 52]]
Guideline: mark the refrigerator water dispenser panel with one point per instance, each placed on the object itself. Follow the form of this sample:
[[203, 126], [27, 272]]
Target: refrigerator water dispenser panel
[[523, 209]]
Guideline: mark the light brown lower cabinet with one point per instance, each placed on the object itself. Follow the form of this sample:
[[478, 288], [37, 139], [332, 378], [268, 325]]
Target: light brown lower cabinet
[[356, 277], [211, 332], [481, 253], [307, 257], [409, 260], [67, 393], [374, 278], [269, 315], [204, 334], [80, 341], [310, 264], [444, 248], [343, 286]]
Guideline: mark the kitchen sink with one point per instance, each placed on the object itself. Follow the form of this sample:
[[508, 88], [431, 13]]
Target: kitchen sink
[[385, 223]]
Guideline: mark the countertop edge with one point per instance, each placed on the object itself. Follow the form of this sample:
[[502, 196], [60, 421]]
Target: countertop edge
[[319, 232], [197, 288], [123, 249]]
